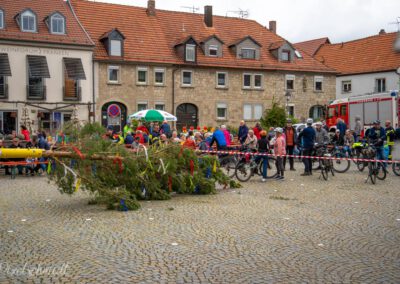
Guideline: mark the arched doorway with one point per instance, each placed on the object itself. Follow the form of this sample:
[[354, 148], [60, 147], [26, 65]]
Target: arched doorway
[[113, 114], [187, 115], [317, 112]]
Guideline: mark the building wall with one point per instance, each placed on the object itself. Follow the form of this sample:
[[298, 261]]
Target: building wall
[[205, 94], [54, 85], [365, 83]]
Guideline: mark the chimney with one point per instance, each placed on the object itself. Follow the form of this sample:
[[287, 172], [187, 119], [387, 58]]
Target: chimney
[[151, 7], [382, 32], [208, 16], [272, 26]]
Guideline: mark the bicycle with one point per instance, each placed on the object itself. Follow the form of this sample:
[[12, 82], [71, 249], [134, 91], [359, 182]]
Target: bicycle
[[325, 165], [248, 166], [396, 168], [376, 169], [228, 164], [357, 148]]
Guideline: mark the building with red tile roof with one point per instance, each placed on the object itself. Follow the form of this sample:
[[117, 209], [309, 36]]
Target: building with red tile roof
[[311, 47], [223, 68], [365, 66], [45, 65]]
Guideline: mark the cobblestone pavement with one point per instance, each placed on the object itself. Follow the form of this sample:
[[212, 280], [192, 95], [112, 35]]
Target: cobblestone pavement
[[302, 230]]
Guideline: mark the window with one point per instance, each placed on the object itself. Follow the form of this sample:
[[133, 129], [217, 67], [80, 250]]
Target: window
[[290, 82], [1, 19], [346, 86], [252, 111], [248, 53], [36, 88], [247, 112], [190, 52], [258, 111], [380, 85], [343, 110], [159, 106], [213, 50], [141, 106], [141, 76], [285, 55], [28, 21], [113, 74], [318, 80], [258, 81], [186, 78], [57, 24], [3, 92], [246, 81], [159, 76], [222, 79], [221, 111], [291, 111], [115, 48], [298, 54]]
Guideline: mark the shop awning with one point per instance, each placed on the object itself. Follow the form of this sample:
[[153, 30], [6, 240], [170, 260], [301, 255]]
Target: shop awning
[[38, 66], [74, 68], [5, 69]]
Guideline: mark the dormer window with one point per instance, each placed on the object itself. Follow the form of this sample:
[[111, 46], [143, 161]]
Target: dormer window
[[247, 48], [114, 43], [190, 53], [28, 21], [115, 47], [213, 50], [1, 19], [285, 55], [57, 24], [248, 53]]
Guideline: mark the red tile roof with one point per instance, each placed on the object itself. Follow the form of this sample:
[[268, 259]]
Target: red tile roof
[[152, 38], [366, 55], [42, 8], [312, 46]]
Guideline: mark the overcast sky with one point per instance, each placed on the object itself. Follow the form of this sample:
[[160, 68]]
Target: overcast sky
[[299, 20]]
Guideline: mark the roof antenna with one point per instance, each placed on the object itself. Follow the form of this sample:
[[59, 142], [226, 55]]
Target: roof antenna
[[244, 14], [396, 23], [193, 9]]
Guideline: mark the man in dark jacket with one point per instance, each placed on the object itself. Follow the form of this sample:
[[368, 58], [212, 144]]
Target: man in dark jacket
[[243, 131], [291, 138], [377, 136], [308, 136], [341, 126]]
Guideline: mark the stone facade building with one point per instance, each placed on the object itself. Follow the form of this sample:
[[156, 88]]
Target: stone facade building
[[205, 69], [45, 66]]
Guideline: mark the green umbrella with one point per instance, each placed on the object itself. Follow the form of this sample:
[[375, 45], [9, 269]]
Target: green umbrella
[[153, 115]]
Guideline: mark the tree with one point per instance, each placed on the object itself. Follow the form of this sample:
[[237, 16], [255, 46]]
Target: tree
[[273, 117]]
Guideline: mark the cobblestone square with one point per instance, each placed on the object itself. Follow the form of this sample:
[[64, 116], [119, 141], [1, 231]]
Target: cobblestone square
[[302, 230]]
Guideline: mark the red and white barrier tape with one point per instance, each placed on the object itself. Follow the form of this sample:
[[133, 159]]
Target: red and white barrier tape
[[296, 156]]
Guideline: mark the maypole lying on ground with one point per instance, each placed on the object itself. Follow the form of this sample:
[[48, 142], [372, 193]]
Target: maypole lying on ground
[[118, 177]]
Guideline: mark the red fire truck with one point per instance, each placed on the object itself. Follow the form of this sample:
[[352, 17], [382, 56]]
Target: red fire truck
[[382, 106]]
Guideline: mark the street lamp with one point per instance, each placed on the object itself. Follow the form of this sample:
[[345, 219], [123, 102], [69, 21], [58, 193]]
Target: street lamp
[[288, 96]]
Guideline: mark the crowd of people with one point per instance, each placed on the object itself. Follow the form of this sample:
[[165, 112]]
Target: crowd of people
[[284, 142]]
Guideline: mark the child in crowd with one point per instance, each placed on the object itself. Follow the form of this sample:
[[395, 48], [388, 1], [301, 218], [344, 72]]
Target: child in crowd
[[280, 151]]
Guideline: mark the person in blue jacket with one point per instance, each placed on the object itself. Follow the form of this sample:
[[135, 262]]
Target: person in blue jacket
[[243, 131], [219, 138], [307, 136], [377, 136]]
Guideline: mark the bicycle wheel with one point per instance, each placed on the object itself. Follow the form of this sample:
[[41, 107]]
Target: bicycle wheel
[[243, 171], [228, 165], [315, 165], [340, 166], [372, 172], [331, 168], [360, 165], [396, 169], [380, 172], [271, 168], [324, 171]]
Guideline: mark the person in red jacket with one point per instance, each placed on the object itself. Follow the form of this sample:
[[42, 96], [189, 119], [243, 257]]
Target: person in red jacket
[[25, 132], [257, 129]]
